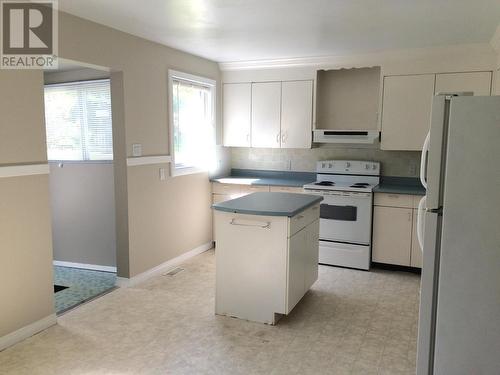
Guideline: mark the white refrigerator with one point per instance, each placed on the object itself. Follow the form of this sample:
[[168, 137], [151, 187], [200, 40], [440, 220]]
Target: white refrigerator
[[459, 230]]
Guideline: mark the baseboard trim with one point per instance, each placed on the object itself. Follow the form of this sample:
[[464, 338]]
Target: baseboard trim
[[124, 282], [94, 267], [27, 331]]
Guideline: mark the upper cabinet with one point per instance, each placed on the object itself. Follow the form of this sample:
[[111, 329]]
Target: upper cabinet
[[348, 99], [406, 111], [296, 114], [237, 103], [477, 82], [266, 114], [407, 100]]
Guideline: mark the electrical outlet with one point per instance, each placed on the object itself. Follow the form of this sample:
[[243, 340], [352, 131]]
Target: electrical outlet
[[136, 149]]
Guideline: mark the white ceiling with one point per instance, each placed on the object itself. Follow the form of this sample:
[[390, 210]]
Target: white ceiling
[[237, 30]]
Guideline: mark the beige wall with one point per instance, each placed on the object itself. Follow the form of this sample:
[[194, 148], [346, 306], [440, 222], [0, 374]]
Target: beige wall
[[26, 291], [166, 218], [155, 221], [82, 203], [143, 66], [22, 130]]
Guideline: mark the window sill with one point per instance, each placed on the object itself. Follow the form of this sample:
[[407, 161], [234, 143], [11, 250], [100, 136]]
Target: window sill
[[179, 171]]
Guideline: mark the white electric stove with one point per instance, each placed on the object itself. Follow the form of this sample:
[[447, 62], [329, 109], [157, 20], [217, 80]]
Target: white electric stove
[[346, 212]]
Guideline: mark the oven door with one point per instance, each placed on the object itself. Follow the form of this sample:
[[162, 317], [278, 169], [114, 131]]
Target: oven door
[[346, 217]]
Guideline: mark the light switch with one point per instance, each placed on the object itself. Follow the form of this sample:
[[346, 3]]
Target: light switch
[[136, 149], [163, 174]]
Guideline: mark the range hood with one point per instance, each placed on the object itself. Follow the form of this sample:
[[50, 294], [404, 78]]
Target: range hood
[[345, 136]]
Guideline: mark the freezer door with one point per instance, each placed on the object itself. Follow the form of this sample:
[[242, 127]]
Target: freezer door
[[428, 293], [433, 173], [468, 308]]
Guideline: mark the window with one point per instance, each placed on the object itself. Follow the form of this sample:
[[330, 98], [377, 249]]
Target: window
[[78, 121], [192, 121]]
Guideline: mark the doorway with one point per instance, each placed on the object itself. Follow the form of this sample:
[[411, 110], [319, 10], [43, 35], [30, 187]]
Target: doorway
[[78, 119]]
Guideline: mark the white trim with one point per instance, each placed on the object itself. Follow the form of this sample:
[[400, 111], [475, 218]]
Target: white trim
[[84, 266], [24, 170], [27, 331], [367, 59], [147, 160], [123, 282]]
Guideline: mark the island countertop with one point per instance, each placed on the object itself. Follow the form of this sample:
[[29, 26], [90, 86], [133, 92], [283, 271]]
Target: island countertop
[[269, 204]]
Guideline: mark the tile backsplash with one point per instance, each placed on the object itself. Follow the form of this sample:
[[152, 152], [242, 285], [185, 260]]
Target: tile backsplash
[[394, 163]]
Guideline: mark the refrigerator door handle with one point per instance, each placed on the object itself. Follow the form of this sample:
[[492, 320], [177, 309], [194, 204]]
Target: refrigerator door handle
[[420, 222], [423, 160]]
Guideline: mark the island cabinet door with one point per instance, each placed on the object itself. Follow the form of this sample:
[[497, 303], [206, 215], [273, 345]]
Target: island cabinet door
[[251, 260], [311, 255], [297, 249]]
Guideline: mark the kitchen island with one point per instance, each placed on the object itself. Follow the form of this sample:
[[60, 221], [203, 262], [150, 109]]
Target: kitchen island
[[266, 254]]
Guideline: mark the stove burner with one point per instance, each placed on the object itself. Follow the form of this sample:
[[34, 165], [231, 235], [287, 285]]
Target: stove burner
[[325, 183], [360, 185]]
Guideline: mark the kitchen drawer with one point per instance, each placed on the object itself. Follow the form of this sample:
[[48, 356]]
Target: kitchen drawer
[[286, 189], [247, 189], [304, 218], [229, 189], [394, 200], [218, 198]]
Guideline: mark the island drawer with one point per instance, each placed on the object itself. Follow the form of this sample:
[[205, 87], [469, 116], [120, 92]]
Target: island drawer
[[218, 188], [303, 219]]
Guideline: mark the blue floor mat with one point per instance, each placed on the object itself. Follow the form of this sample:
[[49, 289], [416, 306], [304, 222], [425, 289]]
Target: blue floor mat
[[82, 286]]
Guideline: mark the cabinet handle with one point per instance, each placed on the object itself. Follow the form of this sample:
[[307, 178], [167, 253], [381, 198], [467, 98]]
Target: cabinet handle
[[263, 225], [283, 138], [278, 137]]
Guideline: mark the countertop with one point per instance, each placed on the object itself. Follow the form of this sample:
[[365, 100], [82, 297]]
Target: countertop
[[400, 185], [271, 178], [269, 204]]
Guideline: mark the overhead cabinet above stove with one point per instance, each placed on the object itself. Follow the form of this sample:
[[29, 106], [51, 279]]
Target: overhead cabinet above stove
[[347, 105]]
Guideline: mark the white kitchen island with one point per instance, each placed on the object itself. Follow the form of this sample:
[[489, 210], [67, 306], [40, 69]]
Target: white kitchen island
[[266, 254]]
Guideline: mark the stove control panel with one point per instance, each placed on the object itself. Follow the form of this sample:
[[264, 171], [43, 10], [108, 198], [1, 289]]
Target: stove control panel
[[355, 167]]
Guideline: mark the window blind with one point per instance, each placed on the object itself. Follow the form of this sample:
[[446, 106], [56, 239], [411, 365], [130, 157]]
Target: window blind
[[78, 121]]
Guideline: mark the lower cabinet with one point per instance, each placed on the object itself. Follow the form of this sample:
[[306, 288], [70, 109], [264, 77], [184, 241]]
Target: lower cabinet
[[392, 228], [265, 264], [395, 230]]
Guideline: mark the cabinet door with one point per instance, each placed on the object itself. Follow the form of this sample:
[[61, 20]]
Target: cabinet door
[[392, 228], [311, 255], [296, 114], [477, 82], [296, 271], [406, 111], [237, 101], [266, 108], [416, 252]]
